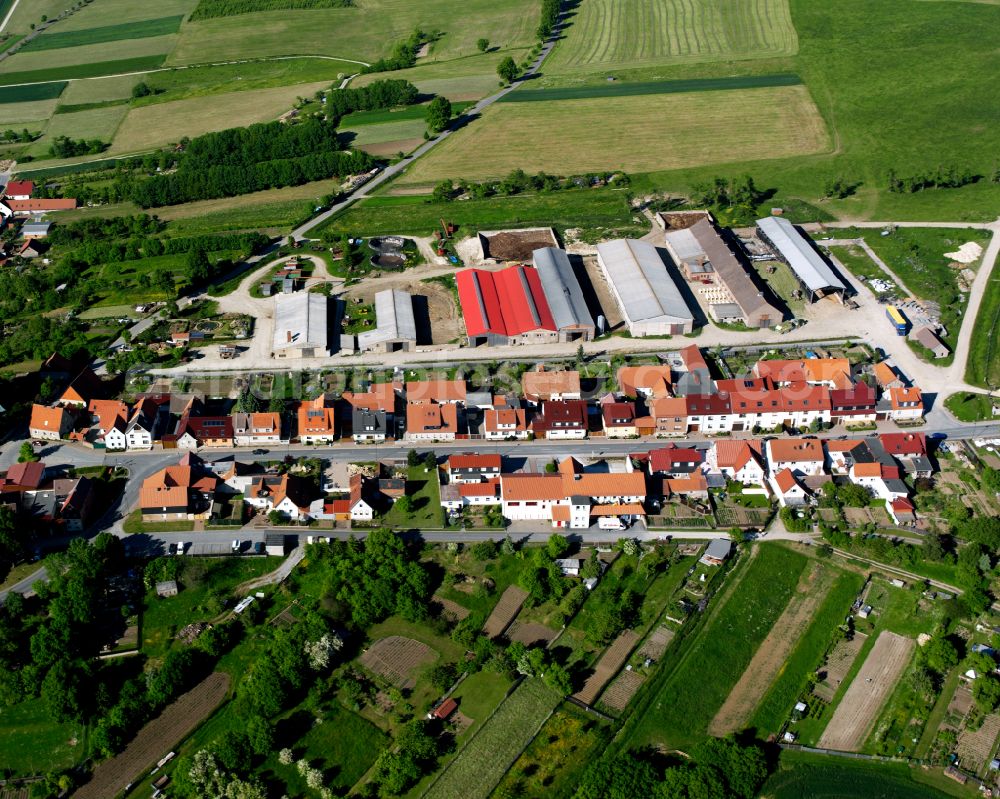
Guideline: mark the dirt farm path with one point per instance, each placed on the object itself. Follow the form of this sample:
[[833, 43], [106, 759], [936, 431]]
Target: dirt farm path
[[770, 656], [861, 703]]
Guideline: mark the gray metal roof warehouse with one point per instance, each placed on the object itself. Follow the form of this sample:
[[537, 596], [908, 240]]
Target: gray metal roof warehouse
[[300, 325], [808, 265], [562, 289], [395, 321], [647, 295]]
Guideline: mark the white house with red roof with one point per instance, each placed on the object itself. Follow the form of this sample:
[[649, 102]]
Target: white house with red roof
[[738, 460], [788, 489]]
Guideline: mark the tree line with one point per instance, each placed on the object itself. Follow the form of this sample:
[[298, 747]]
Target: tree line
[[518, 182], [65, 147], [243, 160], [550, 16], [403, 56], [377, 96], [941, 178]]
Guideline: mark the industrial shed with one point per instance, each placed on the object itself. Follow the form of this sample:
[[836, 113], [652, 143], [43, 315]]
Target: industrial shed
[[705, 259], [563, 294], [815, 275], [396, 329], [647, 295], [301, 325]]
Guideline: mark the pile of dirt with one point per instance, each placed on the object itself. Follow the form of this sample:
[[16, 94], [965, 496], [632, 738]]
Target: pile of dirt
[[517, 246]]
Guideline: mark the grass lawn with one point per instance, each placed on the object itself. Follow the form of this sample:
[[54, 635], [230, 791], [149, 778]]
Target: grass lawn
[[134, 524], [970, 407], [782, 282], [983, 365], [636, 134], [721, 651], [366, 31], [31, 743], [859, 264], [805, 658], [484, 760], [503, 571], [588, 208], [467, 78], [479, 694], [557, 757], [99, 90], [340, 743], [155, 125], [425, 512], [205, 583], [801, 775], [95, 123]]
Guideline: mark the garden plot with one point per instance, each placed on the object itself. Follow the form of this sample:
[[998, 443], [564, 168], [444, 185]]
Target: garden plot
[[505, 612], [614, 658], [975, 747], [530, 633], [156, 739], [621, 691], [396, 659], [838, 664], [770, 657], [451, 611], [865, 697], [657, 643]]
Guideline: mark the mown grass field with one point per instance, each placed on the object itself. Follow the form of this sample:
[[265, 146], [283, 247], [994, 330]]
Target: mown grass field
[[99, 90], [477, 768], [97, 123], [27, 13], [420, 216], [31, 743], [365, 32], [156, 125], [636, 88], [983, 365], [466, 78], [689, 698], [780, 698], [145, 29], [636, 134], [87, 55], [610, 34], [32, 111], [970, 407], [817, 777], [80, 70], [30, 94], [118, 12]]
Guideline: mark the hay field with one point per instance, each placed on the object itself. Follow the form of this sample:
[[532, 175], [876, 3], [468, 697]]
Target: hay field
[[156, 125], [99, 90], [465, 79], [146, 29], [386, 132], [117, 12], [32, 111], [619, 34], [364, 32], [94, 123], [31, 60], [27, 13], [637, 134]]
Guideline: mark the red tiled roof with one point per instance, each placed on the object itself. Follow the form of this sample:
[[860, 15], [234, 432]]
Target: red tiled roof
[[18, 187], [18, 206], [786, 480], [788, 450], [505, 303], [474, 462], [663, 459], [904, 443], [532, 487]]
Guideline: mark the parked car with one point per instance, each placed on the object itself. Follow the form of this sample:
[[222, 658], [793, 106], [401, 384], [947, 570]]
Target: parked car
[[260, 452]]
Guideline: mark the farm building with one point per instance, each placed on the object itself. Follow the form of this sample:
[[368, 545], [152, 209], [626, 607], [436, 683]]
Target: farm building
[[166, 588], [647, 295], [815, 275], [523, 305], [563, 294], [396, 330], [728, 288], [35, 230], [301, 326], [929, 338]]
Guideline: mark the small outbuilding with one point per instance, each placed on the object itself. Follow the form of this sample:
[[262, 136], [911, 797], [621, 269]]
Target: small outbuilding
[[717, 551], [166, 588], [445, 709], [274, 544]]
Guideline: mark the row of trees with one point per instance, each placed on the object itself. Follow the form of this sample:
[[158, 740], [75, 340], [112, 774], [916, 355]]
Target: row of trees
[[518, 182], [208, 9], [65, 147], [550, 16], [941, 178], [96, 251], [376, 96]]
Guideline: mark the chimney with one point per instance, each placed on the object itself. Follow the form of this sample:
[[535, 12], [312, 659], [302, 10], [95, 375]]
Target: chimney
[[288, 333]]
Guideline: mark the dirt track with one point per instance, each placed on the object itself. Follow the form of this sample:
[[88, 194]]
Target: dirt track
[[864, 698], [772, 653]]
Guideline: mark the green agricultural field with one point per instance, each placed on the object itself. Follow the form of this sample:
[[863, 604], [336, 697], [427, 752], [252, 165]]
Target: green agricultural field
[[636, 134], [983, 365], [636, 88], [156, 125], [780, 698], [146, 29], [99, 90], [31, 743], [716, 658], [85, 56], [96, 123], [466, 78], [182, 83], [30, 94], [609, 34], [81, 70], [227, 8], [364, 32], [409, 130], [26, 14], [816, 777], [409, 215], [481, 764]]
